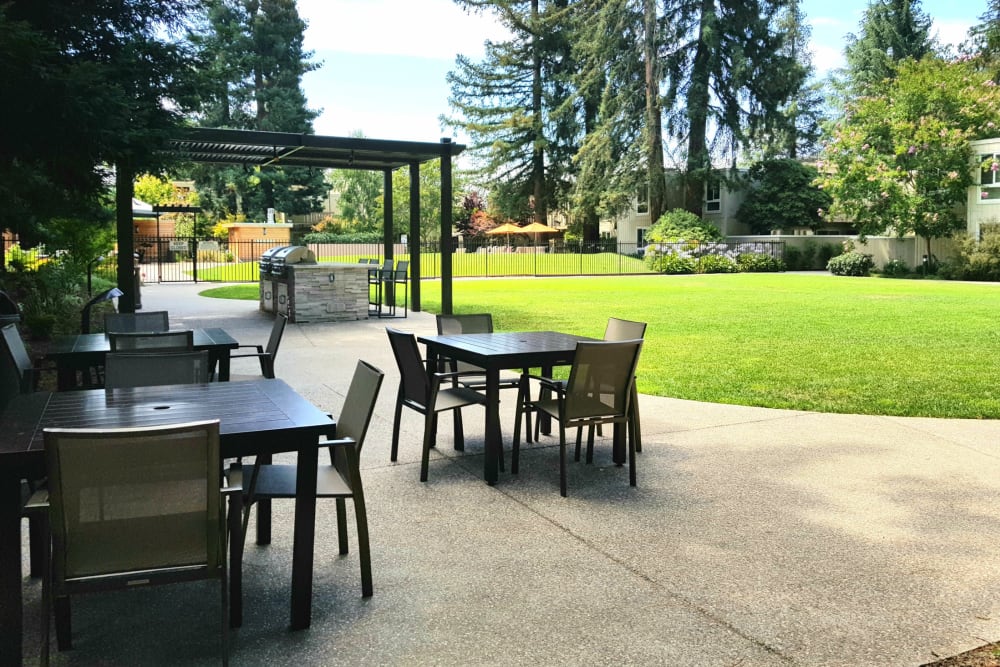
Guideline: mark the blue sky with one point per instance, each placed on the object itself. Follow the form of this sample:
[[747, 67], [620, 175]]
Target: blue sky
[[384, 61]]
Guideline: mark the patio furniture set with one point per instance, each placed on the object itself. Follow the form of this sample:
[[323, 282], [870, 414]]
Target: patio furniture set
[[134, 473]]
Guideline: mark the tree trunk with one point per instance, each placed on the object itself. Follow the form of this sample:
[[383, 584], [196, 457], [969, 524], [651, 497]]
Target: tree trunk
[[698, 161], [538, 152], [654, 131]]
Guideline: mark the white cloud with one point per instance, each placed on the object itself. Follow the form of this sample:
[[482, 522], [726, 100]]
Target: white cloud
[[426, 29], [951, 31]]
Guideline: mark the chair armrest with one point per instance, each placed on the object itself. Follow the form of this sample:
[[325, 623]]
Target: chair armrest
[[338, 442], [549, 383], [230, 489], [249, 354], [260, 348], [39, 500]]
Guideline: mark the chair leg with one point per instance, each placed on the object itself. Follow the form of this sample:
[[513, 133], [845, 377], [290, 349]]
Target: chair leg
[[38, 533], [634, 419], [590, 443], [395, 428], [342, 525], [459, 431], [631, 462], [46, 599], [515, 452], [579, 438], [64, 640], [430, 425], [237, 541], [562, 460], [361, 516]]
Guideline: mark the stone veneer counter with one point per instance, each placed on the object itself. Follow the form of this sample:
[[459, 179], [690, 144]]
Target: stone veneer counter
[[331, 292]]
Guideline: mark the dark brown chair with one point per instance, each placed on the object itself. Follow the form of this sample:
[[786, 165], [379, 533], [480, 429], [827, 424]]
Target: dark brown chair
[[147, 369], [132, 507], [421, 391], [152, 341], [598, 391], [152, 320], [341, 479], [474, 377], [267, 355]]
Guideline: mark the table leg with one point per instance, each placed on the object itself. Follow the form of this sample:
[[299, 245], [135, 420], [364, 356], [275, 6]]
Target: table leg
[[494, 439], [224, 365], [11, 621], [305, 529], [66, 376]]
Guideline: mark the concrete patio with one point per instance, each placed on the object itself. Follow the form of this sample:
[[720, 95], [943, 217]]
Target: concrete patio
[[754, 537]]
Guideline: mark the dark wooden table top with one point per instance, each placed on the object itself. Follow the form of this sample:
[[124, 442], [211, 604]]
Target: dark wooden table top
[[256, 416], [100, 343], [515, 349]]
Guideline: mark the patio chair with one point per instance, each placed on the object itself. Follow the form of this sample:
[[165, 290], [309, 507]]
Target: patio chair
[[391, 279], [177, 340], [599, 391], [340, 479], [376, 278], [146, 369], [617, 330], [153, 320], [267, 355], [467, 375], [422, 392], [18, 376], [131, 507]]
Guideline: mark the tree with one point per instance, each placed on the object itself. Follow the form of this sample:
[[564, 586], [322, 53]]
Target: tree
[[729, 77], [88, 86], [783, 196], [891, 32], [430, 201], [985, 38], [900, 160], [505, 104], [359, 197], [253, 55]]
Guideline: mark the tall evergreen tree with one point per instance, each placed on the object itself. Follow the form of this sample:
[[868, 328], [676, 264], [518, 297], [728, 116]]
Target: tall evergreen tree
[[254, 56], [802, 115], [729, 76], [86, 86], [986, 38], [891, 31], [505, 105]]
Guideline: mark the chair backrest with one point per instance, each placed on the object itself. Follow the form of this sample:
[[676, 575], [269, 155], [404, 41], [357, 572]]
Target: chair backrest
[[12, 376], [359, 404], [18, 353], [179, 339], [414, 384], [601, 378], [463, 324], [147, 369], [134, 500], [362, 260], [277, 330], [401, 268], [153, 320], [624, 329]]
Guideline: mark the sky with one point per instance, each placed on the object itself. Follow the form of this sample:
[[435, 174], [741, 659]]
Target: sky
[[384, 62]]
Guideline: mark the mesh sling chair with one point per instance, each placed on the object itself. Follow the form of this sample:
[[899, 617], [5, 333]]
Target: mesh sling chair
[[267, 355], [473, 377], [147, 369], [131, 507], [598, 391], [153, 320], [421, 391], [340, 479], [179, 339]]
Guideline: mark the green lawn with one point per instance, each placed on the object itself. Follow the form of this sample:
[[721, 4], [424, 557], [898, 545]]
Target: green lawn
[[809, 342]]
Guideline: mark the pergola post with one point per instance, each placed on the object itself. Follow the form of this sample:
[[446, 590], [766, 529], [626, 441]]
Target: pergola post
[[127, 283], [414, 237], [446, 197], [387, 245]]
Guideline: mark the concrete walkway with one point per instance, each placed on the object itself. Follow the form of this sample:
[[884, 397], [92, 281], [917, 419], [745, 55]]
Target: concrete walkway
[[754, 537]]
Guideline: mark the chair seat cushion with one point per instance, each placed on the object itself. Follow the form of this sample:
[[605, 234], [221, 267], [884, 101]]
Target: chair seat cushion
[[457, 397]]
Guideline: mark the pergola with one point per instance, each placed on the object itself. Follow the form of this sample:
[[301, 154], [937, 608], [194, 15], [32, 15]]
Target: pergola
[[270, 149]]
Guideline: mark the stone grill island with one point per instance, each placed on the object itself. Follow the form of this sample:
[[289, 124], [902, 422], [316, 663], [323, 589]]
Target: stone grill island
[[309, 292]]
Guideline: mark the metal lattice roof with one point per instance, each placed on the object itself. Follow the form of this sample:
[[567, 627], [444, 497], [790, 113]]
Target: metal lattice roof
[[263, 149]]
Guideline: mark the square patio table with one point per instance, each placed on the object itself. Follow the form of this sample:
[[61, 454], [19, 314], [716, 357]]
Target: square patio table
[[82, 351], [257, 417], [502, 351]]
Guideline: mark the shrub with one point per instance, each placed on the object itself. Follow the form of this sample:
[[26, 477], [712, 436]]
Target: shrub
[[354, 237], [851, 264], [895, 268], [828, 251], [217, 256], [670, 262], [974, 260], [715, 264], [793, 258], [680, 225], [809, 257], [755, 262]]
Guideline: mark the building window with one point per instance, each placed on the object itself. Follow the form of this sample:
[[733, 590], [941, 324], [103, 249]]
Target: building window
[[713, 195], [642, 199], [989, 177], [640, 237]]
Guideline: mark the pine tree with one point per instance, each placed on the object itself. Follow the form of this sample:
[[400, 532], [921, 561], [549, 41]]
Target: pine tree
[[891, 31], [255, 60], [799, 126], [505, 104], [985, 40], [729, 77]]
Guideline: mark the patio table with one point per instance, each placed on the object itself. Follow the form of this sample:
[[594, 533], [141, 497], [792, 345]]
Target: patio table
[[82, 351], [502, 351], [257, 418]]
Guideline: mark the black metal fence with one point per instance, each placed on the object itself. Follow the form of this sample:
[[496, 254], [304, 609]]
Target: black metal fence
[[190, 259]]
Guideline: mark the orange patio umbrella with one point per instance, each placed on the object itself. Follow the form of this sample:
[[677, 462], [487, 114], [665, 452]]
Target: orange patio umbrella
[[507, 229], [537, 228]]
